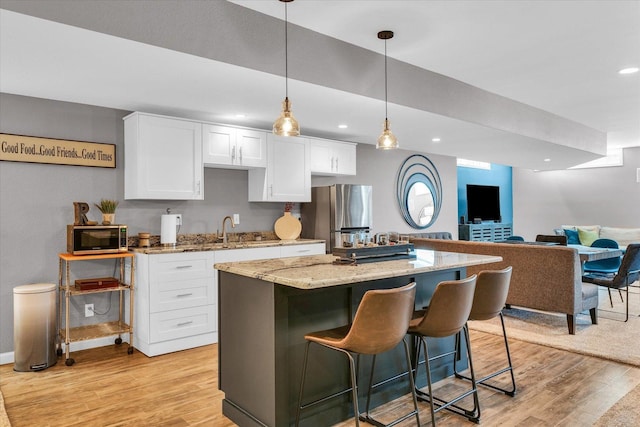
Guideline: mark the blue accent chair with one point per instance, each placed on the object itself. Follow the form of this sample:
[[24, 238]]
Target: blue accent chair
[[605, 266]]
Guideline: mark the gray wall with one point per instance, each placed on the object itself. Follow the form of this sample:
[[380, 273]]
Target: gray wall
[[609, 196], [36, 200]]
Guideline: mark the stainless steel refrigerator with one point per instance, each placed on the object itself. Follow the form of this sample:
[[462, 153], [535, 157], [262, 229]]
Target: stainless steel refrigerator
[[336, 212]]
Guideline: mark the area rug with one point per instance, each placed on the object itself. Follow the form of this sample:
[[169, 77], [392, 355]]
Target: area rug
[[625, 413], [4, 419], [609, 339]]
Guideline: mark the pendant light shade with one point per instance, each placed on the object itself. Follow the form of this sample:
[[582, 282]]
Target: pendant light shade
[[387, 140], [286, 124]]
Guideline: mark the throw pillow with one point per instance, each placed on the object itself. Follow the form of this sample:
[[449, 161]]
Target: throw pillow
[[587, 237], [572, 237]]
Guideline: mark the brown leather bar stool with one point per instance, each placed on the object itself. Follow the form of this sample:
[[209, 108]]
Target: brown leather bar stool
[[379, 325], [446, 316], [492, 288]]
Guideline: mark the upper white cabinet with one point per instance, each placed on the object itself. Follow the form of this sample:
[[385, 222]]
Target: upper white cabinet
[[332, 157], [287, 177], [163, 158], [234, 148]]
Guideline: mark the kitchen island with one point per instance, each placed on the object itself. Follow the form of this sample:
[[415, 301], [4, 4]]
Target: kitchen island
[[266, 308]]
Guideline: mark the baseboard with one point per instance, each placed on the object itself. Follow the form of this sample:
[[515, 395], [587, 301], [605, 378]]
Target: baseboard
[[9, 357], [6, 358]]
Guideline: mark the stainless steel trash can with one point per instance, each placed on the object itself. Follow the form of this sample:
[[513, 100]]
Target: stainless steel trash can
[[34, 327]]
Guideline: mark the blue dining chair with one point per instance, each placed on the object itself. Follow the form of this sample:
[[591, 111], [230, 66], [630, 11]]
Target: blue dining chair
[[605, 266]]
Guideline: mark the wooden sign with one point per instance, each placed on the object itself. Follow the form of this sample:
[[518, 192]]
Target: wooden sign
[[31, 149]]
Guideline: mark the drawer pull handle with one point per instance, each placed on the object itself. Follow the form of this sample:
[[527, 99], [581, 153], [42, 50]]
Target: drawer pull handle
[[185, 323], [184, 295], [180, 267], [304, 250]]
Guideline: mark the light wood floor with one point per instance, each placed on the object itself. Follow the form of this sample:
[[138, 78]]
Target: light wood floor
[[107, 387]]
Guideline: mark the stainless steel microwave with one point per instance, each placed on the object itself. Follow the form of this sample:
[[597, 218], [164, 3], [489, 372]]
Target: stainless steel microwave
[[96, 239]]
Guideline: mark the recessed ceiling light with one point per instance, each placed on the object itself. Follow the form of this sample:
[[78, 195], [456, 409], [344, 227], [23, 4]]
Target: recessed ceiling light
[[630, 70], [343, 126], [240, 116], [435, 139], [547, 160]]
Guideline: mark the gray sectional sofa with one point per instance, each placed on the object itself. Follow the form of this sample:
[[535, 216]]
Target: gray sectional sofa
[[547, 278]]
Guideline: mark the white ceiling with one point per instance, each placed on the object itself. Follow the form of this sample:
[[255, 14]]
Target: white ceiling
[[559, 56]]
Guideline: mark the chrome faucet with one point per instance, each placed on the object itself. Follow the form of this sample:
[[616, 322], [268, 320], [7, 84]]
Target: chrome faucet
[[224, 230]]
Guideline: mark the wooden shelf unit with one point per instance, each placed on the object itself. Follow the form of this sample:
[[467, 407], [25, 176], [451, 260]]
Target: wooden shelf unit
[[70, 334]]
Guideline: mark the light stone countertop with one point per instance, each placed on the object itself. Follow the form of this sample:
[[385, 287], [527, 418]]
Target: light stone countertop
[[220, 246], [318, 271]]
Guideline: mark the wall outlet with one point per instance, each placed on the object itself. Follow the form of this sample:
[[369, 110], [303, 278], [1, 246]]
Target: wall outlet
[[179, 219], [88, 310], [236, 219]]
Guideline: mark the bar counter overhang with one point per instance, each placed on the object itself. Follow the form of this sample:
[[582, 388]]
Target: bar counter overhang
[[266, 308]]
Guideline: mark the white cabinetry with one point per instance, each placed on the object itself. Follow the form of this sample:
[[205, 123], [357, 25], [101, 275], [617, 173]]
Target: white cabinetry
[[332, 157], [234, 148], [176, 302], [163, 158], [287, 177]]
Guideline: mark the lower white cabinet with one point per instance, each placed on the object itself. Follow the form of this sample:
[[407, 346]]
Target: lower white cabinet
[[176, 302]]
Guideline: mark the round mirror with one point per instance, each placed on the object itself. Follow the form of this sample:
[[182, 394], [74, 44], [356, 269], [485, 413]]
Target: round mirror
[[420, 203], [419, 191]]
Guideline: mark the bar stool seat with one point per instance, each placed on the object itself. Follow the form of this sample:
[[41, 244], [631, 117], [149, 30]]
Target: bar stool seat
[[446, 316], [379, 325]]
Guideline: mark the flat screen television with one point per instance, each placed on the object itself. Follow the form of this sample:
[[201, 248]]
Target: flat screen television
[[483, 201]]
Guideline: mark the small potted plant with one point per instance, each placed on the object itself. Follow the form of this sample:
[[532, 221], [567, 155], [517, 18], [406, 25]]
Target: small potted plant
[[108, 209]]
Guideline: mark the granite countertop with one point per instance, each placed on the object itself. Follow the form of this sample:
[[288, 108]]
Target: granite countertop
[[196, 247], [319, 271]]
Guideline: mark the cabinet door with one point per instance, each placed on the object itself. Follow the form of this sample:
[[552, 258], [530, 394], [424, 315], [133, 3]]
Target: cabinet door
[[287, 177], [219, 145], [288, 171], [163, 158], [332, 157], [320, 157], [251, 148], [344, 158]]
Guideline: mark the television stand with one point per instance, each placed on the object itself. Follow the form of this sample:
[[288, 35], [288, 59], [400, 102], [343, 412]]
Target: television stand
[[485, 232]]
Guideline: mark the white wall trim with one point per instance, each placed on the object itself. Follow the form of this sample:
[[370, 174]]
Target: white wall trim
[[9, 357]]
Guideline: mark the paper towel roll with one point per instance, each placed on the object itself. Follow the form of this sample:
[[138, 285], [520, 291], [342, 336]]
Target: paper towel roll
[[168, 226]]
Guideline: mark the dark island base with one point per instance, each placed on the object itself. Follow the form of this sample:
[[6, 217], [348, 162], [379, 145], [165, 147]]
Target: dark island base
[[261, 348]]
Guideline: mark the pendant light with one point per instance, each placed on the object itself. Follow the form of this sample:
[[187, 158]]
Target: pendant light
[[286, 124], [387, 140]]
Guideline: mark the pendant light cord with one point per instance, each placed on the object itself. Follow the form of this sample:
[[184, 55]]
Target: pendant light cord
[[386, 115], [286, 53]]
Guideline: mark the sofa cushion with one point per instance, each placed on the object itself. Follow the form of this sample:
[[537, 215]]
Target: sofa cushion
[[572, 237], [624, 236], [587, 237], [595, 228]]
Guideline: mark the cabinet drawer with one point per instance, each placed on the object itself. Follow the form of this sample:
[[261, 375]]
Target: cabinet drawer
[[170, 325], [302, 250], [182, 294], [179, 267]]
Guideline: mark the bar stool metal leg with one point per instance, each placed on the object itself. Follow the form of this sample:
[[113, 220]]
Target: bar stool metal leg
[[437, 403], [367, 418], [509, 368], [353, 389]]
